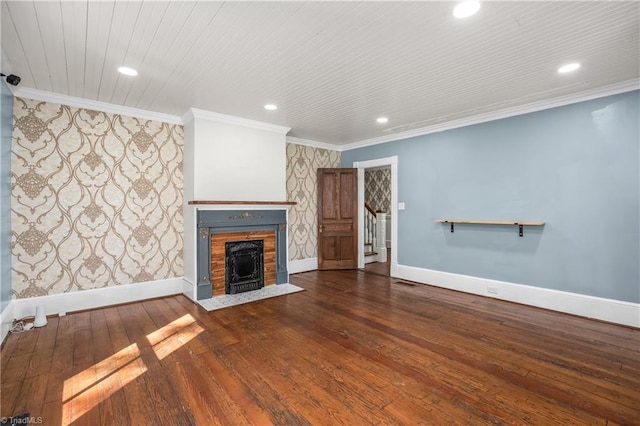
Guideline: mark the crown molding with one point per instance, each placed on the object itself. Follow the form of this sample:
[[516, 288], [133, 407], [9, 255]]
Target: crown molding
[[599, 92], [200, 114], [192, 113], [313, 144], [41, 95]]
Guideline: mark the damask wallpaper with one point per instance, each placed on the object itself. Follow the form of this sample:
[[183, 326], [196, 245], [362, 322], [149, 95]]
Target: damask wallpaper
[[96, 199], [377, 188], [302, 187]]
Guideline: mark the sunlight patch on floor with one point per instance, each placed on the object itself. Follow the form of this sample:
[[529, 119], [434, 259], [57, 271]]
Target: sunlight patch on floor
[[90, 376], [174, 335], [87, 389], [100, 390]]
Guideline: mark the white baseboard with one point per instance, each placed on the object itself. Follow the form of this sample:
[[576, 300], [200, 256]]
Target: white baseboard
[[188, 289], [6, 319], [303, 265], [610, 310], [60, 304], [393, 270], [370, 259]]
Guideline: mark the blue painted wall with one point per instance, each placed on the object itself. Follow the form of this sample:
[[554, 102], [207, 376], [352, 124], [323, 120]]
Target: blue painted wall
[[574, 167], [6, 125]]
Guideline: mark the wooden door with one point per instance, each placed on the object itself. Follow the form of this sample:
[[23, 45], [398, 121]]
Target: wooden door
[[337, 219]]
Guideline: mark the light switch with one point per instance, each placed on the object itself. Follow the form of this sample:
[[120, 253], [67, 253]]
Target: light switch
[[400, 206]]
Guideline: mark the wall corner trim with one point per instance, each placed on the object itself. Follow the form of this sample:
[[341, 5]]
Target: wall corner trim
[[57, 304], [313, 144], [194, 113], [610, 310], [188, 288]]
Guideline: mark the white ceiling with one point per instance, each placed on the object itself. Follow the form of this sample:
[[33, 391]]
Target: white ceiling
[[331, 67]]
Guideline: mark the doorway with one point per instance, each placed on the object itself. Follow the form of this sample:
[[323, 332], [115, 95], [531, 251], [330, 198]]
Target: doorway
[[386, 169]]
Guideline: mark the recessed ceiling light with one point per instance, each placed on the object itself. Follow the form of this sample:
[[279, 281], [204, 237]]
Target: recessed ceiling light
[[128, 71], [382, 120], [466, 9], [568, 67], [271, 107]]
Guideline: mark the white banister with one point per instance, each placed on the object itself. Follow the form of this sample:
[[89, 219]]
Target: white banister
[[370, 223], [375, 235], [381, 240]]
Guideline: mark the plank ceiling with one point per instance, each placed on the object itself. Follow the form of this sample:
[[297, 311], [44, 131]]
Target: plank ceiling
[[331, 67]]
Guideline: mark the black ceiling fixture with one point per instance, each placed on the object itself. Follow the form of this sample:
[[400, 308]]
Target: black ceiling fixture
[[12, 79]]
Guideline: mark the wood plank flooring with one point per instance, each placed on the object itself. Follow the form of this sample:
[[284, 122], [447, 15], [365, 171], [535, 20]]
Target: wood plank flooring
[[354, 348], [380, 268]]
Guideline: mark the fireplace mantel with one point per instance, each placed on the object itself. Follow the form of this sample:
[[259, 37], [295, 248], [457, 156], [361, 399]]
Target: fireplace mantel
[[256, 203]]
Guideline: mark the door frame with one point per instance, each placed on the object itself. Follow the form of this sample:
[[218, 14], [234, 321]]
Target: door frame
[[361, 166]]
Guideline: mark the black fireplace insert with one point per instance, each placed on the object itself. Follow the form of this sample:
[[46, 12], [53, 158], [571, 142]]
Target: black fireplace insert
[[244, 266]]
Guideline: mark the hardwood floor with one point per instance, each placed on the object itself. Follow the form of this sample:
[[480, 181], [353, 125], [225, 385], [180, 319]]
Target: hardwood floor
[[380, 268], [354, 348]]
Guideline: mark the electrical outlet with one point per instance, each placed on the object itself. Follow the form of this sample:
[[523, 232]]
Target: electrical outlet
[[492, 290]]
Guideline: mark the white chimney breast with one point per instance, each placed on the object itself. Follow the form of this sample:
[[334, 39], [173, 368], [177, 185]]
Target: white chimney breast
[[234, 159], [228, 159]]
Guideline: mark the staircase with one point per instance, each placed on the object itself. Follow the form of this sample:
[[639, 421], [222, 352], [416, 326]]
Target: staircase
[[370, 228], [375, 249]]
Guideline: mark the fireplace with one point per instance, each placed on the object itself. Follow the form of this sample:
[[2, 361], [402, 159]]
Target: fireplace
[[244, 269], [247, 232]]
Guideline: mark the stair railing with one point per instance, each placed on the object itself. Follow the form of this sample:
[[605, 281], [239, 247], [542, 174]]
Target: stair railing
[[370, 225]]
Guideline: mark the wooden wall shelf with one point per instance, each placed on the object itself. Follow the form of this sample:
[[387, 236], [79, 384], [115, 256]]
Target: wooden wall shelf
[[259, 203], [520, 225]]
